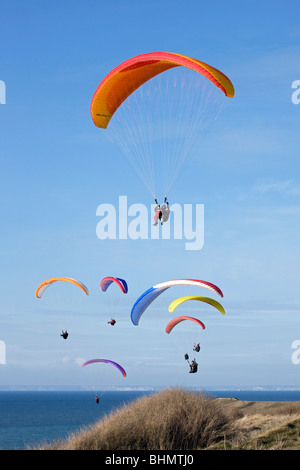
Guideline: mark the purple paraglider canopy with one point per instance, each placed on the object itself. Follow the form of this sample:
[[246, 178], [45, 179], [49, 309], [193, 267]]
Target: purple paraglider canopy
[[93, 361]]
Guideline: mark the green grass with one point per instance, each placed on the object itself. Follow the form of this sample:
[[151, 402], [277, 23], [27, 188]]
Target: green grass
[[285, 437]]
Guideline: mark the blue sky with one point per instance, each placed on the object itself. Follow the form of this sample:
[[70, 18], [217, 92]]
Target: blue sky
[[57, 168]]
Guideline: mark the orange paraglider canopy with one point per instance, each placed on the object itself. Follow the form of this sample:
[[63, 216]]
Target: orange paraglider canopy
[[131, 74], [43, 286]]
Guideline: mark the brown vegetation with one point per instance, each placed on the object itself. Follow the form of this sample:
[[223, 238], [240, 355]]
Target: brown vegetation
[[168, 420], [263, 425], [176, 419]]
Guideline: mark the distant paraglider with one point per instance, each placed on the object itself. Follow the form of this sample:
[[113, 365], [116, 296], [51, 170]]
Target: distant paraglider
[[45, 284], [145, 300], [108, 361], [207, 300], [177, 320], [173, 305], [107, 281], [193, 365], [64, 334], [151, 294]]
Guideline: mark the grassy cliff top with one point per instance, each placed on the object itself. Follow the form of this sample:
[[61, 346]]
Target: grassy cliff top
[[176, 419]]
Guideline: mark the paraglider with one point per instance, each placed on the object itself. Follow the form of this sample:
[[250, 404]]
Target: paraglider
[[173, 305], [207, 300], [115, 364], [177, 320], [107, 281], [143, 302], [142, 100], [44, 285], [64, 334], [131, 74]]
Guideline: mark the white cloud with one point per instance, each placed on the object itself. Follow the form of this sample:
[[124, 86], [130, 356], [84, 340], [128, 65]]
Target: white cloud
[[65, 360], [79, 361], [287, 187]]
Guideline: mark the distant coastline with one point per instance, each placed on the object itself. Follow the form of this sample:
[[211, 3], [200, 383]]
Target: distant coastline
[[209, 388]]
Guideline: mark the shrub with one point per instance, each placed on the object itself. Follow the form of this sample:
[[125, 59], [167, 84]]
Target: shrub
[[173, 419]]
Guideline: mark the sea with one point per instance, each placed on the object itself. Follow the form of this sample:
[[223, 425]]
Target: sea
[[32, 418]]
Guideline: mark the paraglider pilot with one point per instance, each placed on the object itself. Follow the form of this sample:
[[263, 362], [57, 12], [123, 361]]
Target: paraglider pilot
[[196, 347], [161, 213], [193, 367], [112, 322], [64, 334]]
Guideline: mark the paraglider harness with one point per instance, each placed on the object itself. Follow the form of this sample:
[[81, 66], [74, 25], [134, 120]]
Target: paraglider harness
[[161, 212], [193, 367], [97, 398]]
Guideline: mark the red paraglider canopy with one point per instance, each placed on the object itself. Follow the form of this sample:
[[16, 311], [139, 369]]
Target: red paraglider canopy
[[177, 320]]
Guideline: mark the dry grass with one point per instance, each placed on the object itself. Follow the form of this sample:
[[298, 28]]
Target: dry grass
[[176, 419], [264, 425], [173, 419]]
